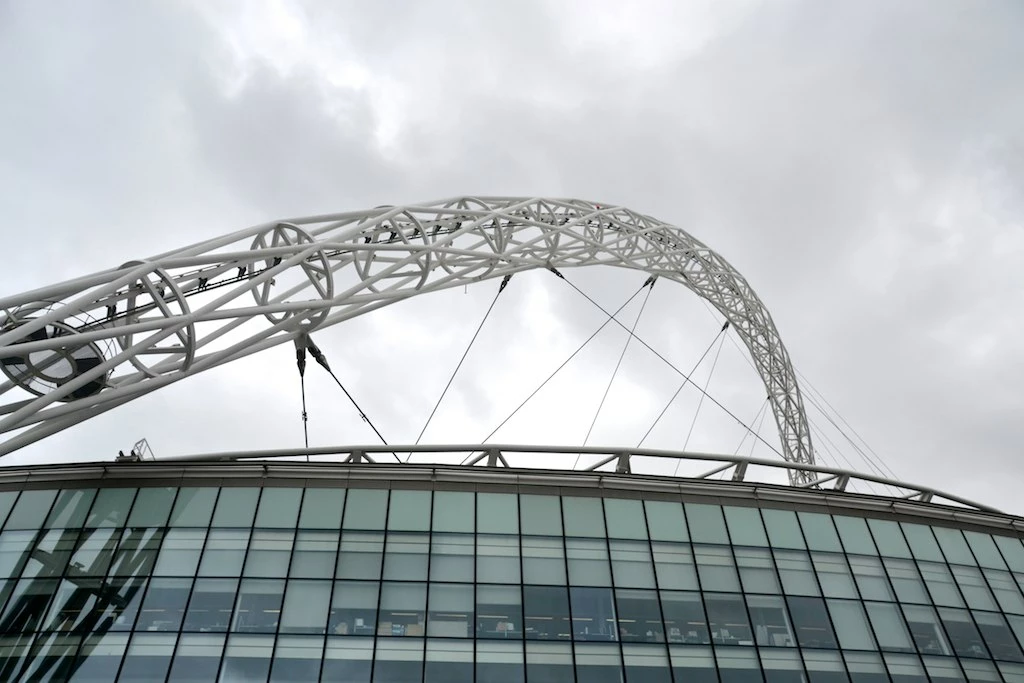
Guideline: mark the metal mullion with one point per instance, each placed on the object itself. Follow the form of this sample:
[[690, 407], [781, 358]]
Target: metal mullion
[[195, 579], [700, 590], [742, 592], [334, 582], [380, 575], [241, 571], [426, 607], [568, 592], [657, 588], [287, 586]]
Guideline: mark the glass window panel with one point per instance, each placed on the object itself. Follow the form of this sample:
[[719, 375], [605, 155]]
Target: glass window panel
[[259, 606], [738, 665], [770, 620], [354, 608], [27, 604], [727, 619], [7, 499], [954, 546], [402, 609], [546, 613], [851, 625], [783, 529], [49, 556], [278, 508], [1017, 624], [870, 577], [692, 664], [716, 568], [398, 660], [906, 582], [225, 552], [499, 662], [68, 511], [348, 659], [646, 664], [865, 667], [406, 556], [973, 587], [209, 610], [543, 560], [448, 661], [853, 531], [984, 549], [361, 555], [454, 511], [963, 634], [95, 551], [409, 511], [236, 507], [796, 572], [666, 521], [904, 669], [588, 562], [321, 508], [782, 666], [296, 658], [707, 525], [540, 515], [1006, 592], [499, 611], [14, 546], [978, 671], [674, 566], [81, 603], [1001, 642], [497, 558], [197, 658], [598, 663], [452, 557], [824, 667], [152, 506], [834, 575], [314, 555], [811, 622], [757, 571], [942, 670], [745, 526], [926, 630], [306, 604], [631, 564], [164, 605], [583, 517], [625, 518], [685, 621], [365, 509], [940, 584], [889, 538], [820, 532], [1012, 673], [129, 602], [110, 507], [497, 513], [179, 555], [593, 613], [269, 553], [922, 542], [549, 663], [1012, 551], [30, 511], [246, 659], [193, 506], [148, 658], [451, 610], [639, 616], [889, 628]]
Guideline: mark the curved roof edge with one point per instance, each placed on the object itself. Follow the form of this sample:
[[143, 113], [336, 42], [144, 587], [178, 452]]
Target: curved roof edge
[[419, 475]]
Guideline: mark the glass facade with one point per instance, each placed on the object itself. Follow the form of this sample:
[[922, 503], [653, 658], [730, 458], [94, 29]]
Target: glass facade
[[374, 585]]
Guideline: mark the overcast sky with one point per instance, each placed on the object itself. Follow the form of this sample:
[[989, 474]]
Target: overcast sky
[[861, 163]]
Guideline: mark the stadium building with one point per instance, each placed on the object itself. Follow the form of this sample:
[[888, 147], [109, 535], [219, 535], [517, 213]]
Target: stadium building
[[256, 566]]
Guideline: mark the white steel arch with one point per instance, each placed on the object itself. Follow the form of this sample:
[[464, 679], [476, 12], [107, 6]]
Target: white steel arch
[[92, 343]]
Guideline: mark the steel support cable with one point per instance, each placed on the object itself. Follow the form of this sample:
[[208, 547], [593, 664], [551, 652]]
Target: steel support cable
[[615, 372], [671, 365], [696, 413], [746, 433], [501, 288], [611, 316], [686, 381], [307, 343]]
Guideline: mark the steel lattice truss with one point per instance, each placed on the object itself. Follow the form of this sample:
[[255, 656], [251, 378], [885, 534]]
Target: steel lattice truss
[[93, 343]]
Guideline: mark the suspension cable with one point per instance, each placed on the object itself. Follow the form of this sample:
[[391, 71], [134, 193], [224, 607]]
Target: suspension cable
[[696, 413], [670, 364], [743, 439], [300, 361], [321, 360], [686, 381], [611, 316], [501, 288], [622, 355]]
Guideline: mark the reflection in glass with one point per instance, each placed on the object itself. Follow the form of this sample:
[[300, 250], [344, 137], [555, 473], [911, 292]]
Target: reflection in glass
[[164, 605], [193, 506]]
